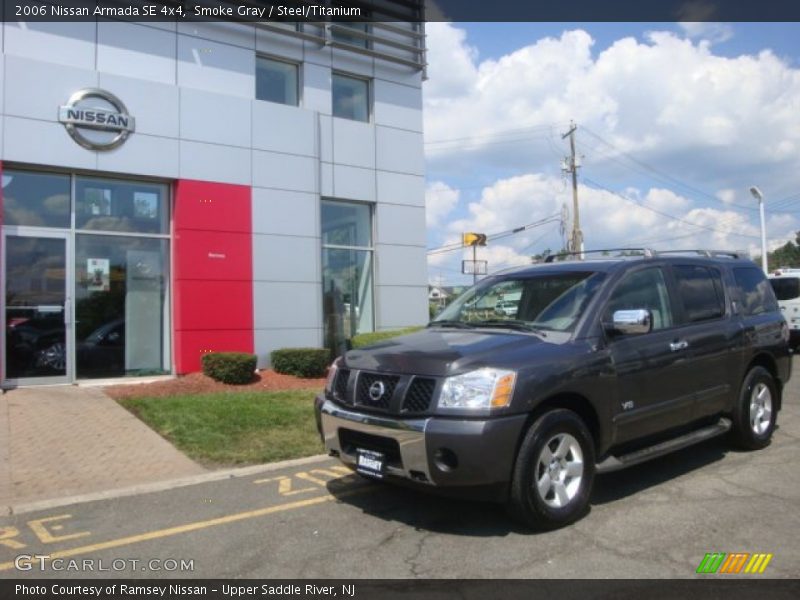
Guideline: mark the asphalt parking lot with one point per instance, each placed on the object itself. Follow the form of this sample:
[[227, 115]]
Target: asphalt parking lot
[[657, 520]]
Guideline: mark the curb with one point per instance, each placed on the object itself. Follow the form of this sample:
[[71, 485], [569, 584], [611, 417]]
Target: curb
[[158, 486]]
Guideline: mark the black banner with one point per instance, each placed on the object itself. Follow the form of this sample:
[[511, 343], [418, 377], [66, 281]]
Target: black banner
[[733, 588], [404, 10]]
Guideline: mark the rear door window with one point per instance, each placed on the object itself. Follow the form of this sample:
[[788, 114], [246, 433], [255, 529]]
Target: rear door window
[[700, 290], [755, 293], [786, 288]]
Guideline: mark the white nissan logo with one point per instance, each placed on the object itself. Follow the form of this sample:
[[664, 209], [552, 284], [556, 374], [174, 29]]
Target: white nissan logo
[[96, 119], [376, 391]]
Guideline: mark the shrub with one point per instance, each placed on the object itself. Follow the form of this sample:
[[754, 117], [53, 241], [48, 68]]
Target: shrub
[[229, 367], [301, 362], [368, 339]]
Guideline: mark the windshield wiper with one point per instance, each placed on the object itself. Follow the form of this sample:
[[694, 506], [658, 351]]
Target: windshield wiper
[[515, 324], [452, 323]]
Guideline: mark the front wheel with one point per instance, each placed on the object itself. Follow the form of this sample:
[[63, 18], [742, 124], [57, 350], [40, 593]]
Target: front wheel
[[554, 472], [756, 410]]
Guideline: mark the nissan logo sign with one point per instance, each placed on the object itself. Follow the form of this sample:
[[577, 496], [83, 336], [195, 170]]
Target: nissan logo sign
[[96, 119], [376, 391]]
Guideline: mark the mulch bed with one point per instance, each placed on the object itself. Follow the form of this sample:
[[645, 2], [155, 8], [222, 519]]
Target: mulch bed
[[197, 383]]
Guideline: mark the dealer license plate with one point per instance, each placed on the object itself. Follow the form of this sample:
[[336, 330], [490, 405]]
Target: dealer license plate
[[371, 463]]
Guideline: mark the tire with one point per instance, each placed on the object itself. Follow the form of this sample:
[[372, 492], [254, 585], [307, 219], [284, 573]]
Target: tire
[[756, 410], [563, 473]]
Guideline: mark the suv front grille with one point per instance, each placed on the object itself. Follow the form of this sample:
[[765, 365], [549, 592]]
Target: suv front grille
[[365, 390], [419, 395]]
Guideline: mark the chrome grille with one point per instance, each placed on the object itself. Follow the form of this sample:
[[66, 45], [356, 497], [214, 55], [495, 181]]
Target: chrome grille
[[366, 381]]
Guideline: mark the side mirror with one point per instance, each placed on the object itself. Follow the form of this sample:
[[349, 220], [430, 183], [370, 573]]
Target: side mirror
[[632, 322]]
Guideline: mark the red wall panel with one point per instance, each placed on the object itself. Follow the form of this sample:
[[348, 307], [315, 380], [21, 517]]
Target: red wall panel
[[213, 305], [213, 271], [209, 206], [213, 255]]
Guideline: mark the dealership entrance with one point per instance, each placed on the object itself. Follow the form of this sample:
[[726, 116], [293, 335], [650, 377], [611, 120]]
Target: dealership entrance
[[85, 277]]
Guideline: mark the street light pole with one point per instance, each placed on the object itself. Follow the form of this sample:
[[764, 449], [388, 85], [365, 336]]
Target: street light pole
[[756, 193]]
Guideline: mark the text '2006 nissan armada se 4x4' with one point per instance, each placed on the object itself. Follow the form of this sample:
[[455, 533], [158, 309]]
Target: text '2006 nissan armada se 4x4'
[[606, 363]]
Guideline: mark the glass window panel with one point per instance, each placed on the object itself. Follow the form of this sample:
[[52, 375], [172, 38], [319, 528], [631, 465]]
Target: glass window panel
[[350, 98], [701, 294], [35, 301], [347, 295], [645, 289], [341, 36], [116, 205], [757, 296], [120, 318], [345, 224], [35, 199], [276, 81]]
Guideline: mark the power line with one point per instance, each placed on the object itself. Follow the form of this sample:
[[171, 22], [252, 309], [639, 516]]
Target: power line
[[661, 175], [501, 133], [664, 214]]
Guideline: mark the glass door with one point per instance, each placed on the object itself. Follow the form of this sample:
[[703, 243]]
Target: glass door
[[38, 312]]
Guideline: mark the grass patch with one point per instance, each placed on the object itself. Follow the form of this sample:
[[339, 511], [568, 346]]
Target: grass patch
[[234, 427]]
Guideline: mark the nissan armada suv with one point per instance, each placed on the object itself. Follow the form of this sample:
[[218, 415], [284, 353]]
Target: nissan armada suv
[[605, 364]]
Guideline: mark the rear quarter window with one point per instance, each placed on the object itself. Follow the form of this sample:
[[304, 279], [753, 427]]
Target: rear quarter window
[[700, 289], [755, 292], [786, 288]]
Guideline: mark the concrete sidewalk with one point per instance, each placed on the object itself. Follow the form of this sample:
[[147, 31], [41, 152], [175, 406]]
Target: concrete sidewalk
[[66, 440]]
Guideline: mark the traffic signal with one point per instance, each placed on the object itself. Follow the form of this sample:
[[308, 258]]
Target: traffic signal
[[474, 239]]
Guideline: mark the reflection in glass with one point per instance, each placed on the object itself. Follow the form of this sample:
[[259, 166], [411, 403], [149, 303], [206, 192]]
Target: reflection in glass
[[120, 290], [346, 224], [113, 205], [350, 98], [35, 294], [347, 295], [276, 81], [35, 199]]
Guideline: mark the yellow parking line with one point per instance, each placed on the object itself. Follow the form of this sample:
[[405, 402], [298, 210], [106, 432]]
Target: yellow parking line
[[196, 526]]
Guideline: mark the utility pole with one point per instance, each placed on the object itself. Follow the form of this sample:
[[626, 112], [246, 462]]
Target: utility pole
[[571, 166]]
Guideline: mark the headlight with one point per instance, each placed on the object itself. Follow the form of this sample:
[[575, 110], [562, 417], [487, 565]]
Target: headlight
[[332, 375], [480, 389]]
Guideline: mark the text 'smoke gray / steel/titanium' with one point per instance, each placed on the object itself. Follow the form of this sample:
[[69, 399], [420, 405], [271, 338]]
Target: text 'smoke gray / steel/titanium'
[[603, 364]]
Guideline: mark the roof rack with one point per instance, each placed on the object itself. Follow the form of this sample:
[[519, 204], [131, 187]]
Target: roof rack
[[646, 252], [706, 253]]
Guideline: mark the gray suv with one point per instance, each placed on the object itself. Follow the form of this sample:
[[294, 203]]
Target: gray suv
[[604, 364]]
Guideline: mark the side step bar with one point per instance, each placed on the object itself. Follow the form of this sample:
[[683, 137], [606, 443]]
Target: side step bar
[[615, 463]]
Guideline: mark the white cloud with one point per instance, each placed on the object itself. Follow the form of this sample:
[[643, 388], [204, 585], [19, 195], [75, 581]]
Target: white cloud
[[669, 100], [640, 218], [704, 30], [440, 200]]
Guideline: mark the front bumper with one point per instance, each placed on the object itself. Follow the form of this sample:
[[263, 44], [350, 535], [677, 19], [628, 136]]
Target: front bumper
[[431, 450]]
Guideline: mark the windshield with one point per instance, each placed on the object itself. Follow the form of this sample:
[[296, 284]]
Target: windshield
[[786, 288], [550, 302]]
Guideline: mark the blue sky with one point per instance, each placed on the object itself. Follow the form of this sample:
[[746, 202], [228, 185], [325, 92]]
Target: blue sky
[[673, 127]]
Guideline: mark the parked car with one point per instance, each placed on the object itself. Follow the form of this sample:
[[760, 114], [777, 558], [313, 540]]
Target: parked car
[[607, 364], [786, 285], [507, 308]]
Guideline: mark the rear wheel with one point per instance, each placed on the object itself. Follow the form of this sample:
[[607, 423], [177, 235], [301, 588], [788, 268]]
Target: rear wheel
[[554, 472], [756, 410]]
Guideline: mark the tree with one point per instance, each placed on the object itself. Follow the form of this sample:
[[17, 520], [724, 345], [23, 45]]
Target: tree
[[787, 255]]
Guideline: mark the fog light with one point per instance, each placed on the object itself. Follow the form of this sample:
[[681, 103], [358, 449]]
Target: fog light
[[445, 459]]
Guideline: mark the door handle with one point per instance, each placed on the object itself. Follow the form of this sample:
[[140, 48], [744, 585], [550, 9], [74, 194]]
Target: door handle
[[678, 345]]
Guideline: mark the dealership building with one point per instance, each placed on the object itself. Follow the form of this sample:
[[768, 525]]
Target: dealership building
[[170, 190]]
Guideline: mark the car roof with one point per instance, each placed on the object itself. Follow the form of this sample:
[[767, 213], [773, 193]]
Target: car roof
[[608, 265]]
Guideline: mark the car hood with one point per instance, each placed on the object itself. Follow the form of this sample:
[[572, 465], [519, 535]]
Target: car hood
[[443, 352]]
